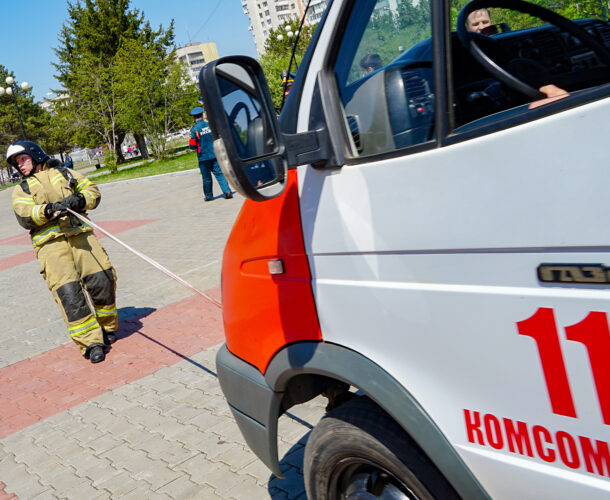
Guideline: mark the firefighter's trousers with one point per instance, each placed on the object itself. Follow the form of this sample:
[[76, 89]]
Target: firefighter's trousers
[[70, 265]]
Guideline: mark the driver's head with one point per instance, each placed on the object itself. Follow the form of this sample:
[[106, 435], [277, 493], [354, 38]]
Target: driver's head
[[477, 20]]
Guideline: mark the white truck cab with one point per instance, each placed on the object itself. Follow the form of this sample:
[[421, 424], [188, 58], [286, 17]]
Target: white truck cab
[[426, 242]]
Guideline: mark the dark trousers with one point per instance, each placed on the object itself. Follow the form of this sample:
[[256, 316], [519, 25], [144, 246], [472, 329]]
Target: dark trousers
[[209, 167]]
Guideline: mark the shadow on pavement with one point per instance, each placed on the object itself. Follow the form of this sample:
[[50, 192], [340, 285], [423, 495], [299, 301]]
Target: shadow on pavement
[[129, 323], [127, 313], [292, 487]]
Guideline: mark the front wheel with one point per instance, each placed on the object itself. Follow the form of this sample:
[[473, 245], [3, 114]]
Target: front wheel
[[357, 452]]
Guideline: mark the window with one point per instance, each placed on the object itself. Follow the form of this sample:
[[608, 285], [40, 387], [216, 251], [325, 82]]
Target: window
[[547, 59], [386, 86]]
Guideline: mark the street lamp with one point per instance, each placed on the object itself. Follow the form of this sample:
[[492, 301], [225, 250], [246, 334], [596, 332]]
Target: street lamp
[[9, 90]]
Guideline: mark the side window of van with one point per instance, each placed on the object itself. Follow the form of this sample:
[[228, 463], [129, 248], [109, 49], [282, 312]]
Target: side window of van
[[385, 77], [508, 62]]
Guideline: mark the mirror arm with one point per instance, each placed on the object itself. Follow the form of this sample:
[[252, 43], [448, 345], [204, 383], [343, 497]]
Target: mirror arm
[[312, 147]]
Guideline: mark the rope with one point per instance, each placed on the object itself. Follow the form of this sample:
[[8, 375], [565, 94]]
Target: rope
[[147, 259]]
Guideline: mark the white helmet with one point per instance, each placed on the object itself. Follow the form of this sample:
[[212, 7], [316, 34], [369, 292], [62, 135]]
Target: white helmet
[[29, 148]]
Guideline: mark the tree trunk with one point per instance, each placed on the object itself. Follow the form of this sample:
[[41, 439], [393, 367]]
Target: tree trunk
[[117, 147], [141, 142]]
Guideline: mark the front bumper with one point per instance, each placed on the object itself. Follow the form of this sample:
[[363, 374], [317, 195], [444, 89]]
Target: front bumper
[[255, 406]]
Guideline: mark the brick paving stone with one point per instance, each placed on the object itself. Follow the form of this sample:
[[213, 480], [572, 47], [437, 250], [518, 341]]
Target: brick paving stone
[[277, 494], [212, 446], [205, 420], [292, 483], [236, 457], [4, 495], [295, 457], [93, 467], [184, 488], [86, 431], [198, 468], [104, 443], [85, 491], [170, 452], [184, 411], [228, 430], [217, 479], [141, 466], [144, 493], [119, 485], [64, 480], [257, 470], [247, 490], [22, 483], [291, 458]]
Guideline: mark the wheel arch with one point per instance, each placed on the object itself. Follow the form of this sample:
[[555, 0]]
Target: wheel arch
[[325, 362]]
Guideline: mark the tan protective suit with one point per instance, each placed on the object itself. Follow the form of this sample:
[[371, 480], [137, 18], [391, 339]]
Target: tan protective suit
[[69, 254]]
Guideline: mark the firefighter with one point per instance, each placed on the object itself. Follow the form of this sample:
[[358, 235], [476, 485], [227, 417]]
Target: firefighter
[[71, 258], [201, 141]]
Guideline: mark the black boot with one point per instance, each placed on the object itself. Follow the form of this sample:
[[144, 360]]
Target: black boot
[[96, 354], [109, 337]]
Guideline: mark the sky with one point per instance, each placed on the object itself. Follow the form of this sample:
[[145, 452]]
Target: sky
[[30, 30]]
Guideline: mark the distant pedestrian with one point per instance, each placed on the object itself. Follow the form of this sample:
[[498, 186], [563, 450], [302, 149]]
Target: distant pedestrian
[[70, 256], [201, 141], [68, 163]]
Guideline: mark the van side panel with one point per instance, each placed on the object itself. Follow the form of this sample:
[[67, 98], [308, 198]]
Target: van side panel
[[431, 265], [263, 312]]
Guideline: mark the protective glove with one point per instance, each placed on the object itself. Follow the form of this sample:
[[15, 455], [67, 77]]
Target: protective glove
[[52, 208], [74, 202]]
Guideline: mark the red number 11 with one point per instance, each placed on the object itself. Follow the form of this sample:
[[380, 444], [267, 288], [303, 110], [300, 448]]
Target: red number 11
[[594, 334]]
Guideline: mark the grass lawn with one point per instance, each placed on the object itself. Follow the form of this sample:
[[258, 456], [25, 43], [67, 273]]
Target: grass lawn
[[186, 161]]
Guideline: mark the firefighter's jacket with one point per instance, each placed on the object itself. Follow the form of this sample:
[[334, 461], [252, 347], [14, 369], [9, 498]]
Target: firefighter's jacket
[[52, 184], [202, 140]]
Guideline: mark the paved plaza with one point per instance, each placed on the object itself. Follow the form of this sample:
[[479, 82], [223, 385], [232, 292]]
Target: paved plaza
[[149, 422]]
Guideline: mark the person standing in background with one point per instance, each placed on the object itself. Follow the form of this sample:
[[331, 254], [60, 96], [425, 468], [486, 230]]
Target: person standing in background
[[202, 142]]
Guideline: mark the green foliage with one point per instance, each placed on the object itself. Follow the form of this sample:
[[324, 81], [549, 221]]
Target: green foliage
[[389, 34], [155, 93], [88, 67], [34, 118], [277, 55]]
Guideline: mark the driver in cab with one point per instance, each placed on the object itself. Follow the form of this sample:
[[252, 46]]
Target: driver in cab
[[479, 21]]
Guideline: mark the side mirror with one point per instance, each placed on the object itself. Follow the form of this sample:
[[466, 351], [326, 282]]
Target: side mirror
[[245, 130], [252, 152]]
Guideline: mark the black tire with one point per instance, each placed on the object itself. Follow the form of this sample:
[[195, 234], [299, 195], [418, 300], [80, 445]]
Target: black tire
[[357, 452]]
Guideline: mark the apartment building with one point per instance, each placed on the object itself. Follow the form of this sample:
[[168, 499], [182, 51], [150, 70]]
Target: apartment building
[[195, 55], [265, 15]]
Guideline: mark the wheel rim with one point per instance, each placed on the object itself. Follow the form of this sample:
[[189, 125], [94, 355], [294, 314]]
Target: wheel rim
[[355, 478]]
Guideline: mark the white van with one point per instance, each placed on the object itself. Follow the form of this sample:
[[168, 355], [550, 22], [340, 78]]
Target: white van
[[426, 242]]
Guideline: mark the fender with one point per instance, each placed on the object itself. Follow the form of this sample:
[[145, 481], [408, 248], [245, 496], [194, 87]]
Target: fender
[[256, 402]]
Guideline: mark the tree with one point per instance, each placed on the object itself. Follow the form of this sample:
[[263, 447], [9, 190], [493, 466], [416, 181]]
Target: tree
[[155, 95], [86, 67], [33, 117], [278, 49]]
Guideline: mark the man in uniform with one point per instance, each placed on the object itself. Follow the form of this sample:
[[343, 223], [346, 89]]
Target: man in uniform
[[69, 254], [202, 142]]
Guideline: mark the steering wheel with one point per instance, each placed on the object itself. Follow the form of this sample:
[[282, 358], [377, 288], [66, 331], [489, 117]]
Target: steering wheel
[[469, 39]]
